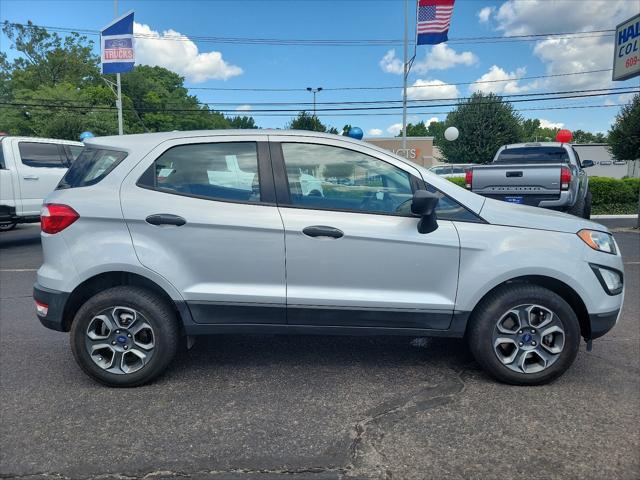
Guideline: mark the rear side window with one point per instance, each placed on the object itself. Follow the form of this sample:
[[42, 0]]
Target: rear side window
[[216, 171], [2, 165], [38, 154], [533, 155], [91, 166]]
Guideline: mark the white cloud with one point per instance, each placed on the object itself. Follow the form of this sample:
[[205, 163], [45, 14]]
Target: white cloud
[[391, 64], [376, 132], [431, 120], [442, 57], [395, 129], [499, 81], [485, 13], [430, 89], [526, 17], [547, 124], [181, 56], [243, 108], [564, 55]]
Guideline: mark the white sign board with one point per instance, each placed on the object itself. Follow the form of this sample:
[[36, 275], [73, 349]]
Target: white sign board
[[626, 55]]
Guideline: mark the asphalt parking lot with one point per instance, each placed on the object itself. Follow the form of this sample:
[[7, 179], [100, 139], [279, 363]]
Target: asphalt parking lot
[[271, 407]]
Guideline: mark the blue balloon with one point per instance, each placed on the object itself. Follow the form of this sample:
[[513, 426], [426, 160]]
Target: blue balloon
[[85, 135], [356, 132]]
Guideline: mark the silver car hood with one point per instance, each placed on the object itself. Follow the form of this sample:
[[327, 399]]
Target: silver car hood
[[502, 213]]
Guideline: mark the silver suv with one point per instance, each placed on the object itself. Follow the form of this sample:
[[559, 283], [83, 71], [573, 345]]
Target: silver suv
[[152, 239]]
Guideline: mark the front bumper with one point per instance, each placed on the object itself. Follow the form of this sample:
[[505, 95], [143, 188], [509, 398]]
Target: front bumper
[[601, 323], [56, 301]]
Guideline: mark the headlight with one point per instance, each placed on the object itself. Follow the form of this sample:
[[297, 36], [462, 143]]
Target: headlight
[[600, 241], [610, 279]]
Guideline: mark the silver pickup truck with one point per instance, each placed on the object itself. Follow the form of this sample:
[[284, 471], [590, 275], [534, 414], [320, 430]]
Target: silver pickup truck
[[548, 174]]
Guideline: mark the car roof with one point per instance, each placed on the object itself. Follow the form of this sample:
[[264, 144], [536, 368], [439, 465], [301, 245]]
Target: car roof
[[127, 141], [41, 139]]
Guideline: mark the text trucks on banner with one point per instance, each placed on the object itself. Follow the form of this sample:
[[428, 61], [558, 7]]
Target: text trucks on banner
[[434, 19], [116, 41]]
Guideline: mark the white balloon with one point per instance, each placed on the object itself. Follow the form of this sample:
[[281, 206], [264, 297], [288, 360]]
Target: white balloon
[[451, 133]]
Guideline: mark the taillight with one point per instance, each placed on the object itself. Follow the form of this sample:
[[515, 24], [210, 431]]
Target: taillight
[[55, 217], [468, 178], [565, 178]]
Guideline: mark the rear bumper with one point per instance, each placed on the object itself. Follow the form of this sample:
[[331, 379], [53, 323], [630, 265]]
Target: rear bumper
[[56, 302], [601, 323]]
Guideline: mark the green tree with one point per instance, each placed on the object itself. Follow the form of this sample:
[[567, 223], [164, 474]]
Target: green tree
[[580, 136], [485, 123], [242, 122], [345, 129], [305, 121], [47, 59], [624, 136]]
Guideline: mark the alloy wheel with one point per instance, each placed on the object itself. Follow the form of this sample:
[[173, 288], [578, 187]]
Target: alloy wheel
[[120, 340], [528, 338]]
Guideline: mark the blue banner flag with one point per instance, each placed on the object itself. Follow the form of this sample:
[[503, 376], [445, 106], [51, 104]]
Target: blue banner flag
[[116, 40], [434, 19]]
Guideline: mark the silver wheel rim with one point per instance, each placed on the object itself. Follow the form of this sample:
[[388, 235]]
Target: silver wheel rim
[[528, 338], [120, 340]]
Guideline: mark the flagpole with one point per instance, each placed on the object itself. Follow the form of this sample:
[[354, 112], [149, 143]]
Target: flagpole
[[405, 74], [119, 88]]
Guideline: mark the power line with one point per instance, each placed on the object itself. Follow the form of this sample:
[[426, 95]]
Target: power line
[[327, 42], [396, 87], [607, 91], [290, 111], [360, 114]]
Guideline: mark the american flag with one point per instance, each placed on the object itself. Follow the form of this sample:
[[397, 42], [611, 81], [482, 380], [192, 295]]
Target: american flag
[[434, 19]]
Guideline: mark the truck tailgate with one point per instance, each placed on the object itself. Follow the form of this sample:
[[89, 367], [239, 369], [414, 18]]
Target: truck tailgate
[[523, 179]]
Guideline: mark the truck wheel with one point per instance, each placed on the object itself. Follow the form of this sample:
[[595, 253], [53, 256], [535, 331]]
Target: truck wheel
[[578, 208], [524, 334], [586, 213], [5, 227], [124, 336]]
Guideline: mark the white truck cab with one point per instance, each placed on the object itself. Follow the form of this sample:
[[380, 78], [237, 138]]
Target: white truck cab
[[30, 168]]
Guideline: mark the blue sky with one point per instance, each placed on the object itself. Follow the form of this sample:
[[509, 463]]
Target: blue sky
[[274, 66]]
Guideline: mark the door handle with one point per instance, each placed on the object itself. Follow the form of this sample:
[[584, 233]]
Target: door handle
[[322, 231], [31, 177], [165, 219], [514, 174]]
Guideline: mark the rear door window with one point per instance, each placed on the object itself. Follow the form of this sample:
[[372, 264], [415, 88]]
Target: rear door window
[[91, 166], [533, 155], [42, 155], [226, 171]]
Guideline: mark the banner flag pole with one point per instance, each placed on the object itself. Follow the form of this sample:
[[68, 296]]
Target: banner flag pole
[[405, 74]]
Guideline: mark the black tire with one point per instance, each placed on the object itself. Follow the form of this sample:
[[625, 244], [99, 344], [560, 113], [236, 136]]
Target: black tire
[[578, 208], [586, 212], [5, 227], [487, 314], [157, 313]]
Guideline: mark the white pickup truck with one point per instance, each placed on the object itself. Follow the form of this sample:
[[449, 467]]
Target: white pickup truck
[[30, 169]]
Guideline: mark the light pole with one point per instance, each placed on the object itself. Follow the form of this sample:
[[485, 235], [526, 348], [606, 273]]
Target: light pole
[[314, 91]]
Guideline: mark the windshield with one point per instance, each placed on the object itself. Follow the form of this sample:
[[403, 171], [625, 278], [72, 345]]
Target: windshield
[[533, 155]]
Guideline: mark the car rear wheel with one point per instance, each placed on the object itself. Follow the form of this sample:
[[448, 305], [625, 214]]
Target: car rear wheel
[[524, 335], [5, 227], [124, 336]]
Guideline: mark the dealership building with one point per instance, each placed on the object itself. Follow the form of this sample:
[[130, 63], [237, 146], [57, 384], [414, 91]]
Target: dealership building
[[419, 150]]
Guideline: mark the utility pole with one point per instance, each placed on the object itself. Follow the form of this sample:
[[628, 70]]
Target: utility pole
[[405, 75], [314, 91], [118, 87]]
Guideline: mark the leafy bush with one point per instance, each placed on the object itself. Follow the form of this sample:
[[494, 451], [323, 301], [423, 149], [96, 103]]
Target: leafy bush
[[613, 191], [458, 181]]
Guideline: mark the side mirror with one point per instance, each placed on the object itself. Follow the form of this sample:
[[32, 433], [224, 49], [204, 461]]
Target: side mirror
[[587, 163], [424, 204]]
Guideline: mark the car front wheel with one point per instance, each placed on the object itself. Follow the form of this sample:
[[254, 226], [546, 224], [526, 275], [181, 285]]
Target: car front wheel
[[524, 334], [124, 336]]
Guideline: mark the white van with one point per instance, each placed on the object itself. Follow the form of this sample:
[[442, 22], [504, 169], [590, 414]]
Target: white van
[[30, 169]]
